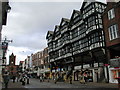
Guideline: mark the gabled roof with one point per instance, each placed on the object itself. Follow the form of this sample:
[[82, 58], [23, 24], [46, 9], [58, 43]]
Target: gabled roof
[[64, 20], [85, 2], [75, 12], [49, 33], [56, 27]]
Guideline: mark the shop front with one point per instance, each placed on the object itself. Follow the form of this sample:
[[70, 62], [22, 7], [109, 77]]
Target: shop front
[[93, 74], [114, 70], [113, 73], [76, 72]]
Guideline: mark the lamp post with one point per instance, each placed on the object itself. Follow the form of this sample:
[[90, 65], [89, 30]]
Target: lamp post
[[4, 48]]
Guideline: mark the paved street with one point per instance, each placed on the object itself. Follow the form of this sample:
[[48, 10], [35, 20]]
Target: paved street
[[35, 83]]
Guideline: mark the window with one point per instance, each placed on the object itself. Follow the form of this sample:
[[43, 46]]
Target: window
[[113, 32], [111, 14]]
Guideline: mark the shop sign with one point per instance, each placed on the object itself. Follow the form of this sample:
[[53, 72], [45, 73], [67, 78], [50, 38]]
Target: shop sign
[[106, 64], [96, 65], [101, 64], [115, 62], [77, 67], [86, 66]]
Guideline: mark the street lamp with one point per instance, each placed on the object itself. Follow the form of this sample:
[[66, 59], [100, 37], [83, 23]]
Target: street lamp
[[8, 8], [4, 48]]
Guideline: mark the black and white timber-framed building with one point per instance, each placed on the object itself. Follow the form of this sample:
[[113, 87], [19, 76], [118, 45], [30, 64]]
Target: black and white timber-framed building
[[78, 43]]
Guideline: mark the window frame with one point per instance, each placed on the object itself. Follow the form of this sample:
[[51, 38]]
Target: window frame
[[113, 32], [111, 14]]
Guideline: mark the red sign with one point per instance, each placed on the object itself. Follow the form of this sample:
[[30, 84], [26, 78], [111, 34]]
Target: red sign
[[116, 67], [106, 64]]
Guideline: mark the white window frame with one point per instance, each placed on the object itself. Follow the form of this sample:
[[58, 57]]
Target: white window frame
[[111, 14], [113, 32]]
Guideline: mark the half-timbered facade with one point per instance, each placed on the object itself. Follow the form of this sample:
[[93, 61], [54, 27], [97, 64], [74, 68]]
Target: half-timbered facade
[[79, 43]]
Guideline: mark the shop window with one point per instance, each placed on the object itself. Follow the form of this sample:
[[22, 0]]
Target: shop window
[[115, 74]]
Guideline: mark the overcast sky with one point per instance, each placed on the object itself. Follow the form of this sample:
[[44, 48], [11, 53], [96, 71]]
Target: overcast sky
[[29, 22]]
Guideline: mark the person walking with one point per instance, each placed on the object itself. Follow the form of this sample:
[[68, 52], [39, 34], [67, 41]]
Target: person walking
[[14, 77], [85, 77], [55, 79], [81, 78], [6, 79], [18, 77], [70, 78], [28, 81], [48, 78], [40, 78], [23, 79]]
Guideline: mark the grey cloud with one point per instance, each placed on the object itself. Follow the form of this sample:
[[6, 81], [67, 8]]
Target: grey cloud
[[28, 22]]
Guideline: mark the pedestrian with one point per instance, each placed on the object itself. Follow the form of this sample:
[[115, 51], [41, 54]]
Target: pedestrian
[[43, 77], [55, 79], [70, 78], [28, 81], [18, 77], [40, 78], [6, 79], [23, 79], [48, 78], [85, 76], [14, 77], [81, 78]]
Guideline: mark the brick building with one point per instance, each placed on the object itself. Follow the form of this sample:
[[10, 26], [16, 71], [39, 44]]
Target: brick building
[[12, 67], [40, 63], [111, 22]]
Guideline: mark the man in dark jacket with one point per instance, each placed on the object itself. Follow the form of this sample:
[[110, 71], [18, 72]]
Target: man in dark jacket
[[14, 77], [6, 79]]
